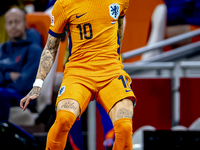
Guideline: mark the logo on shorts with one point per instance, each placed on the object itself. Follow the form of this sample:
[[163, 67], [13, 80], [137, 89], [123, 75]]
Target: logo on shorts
[[62, 90], [128, 90], [52, 20], [114, 10]]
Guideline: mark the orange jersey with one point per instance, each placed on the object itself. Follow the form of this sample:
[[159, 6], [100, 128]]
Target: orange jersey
[[92, 27]]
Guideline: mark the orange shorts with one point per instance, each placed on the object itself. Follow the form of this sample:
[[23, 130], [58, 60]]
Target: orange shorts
[[106, 90]]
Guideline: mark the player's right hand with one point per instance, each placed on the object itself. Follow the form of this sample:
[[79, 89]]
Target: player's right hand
[[33, 94]]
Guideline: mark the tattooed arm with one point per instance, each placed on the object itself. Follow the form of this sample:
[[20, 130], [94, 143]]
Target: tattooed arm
[[48, 56], [121, 32], [46, 61], [120, 29]]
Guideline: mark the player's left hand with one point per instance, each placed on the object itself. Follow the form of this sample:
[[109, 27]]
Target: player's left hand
[[33, 94]]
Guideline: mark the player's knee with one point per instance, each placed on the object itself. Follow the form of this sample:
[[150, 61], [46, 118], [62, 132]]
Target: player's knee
[[65, 120], [123, 134], [123, 126], [127, 127]]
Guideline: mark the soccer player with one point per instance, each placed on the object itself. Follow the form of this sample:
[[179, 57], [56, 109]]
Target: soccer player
[[93, 71]]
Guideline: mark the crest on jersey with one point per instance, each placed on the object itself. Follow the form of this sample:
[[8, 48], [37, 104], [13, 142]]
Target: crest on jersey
[[114, 10], [62, 90]]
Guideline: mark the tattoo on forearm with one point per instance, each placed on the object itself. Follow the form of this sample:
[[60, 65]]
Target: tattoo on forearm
[[124, 113], [46, 63], [48, 56], [69, 105], [35, 91]]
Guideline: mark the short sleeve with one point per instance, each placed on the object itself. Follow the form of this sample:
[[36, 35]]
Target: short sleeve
[[58, 20], [126, 4]]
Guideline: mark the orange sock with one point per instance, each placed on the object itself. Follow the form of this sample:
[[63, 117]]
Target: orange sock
[[123, 134], [57, 136]]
